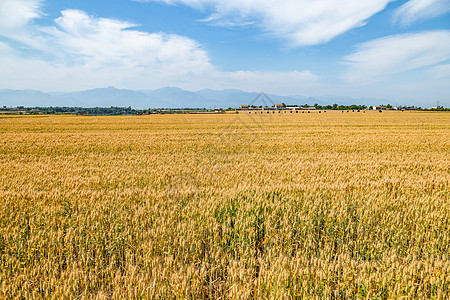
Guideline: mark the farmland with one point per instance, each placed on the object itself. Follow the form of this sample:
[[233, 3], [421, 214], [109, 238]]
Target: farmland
[[330, 205]]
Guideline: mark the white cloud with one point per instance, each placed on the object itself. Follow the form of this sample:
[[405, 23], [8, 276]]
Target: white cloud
[[86, 50], [384, 57], [417, 10], [17, 13], [103, 43], [16, 18], [301, 22], [81, 52]]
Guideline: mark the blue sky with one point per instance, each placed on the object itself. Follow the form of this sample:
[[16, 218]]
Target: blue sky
[[398, 50]]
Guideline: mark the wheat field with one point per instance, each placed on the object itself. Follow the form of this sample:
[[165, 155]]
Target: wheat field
[[229, 206]]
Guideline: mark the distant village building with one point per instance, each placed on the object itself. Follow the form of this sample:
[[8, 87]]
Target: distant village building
[[387, 107], [277, 107]]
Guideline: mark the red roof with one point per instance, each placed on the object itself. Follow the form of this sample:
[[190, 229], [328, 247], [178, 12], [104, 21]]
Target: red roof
[[279, 104]]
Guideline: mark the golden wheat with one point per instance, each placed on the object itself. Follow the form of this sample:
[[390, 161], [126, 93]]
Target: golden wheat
[[329, 205]]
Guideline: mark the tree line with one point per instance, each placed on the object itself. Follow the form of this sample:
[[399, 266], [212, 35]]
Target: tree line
[[119, 111]]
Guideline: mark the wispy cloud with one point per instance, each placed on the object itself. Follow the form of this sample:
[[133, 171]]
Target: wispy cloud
[[16, 18], [301, 22], [441, 71], [384, 57], [418, 10], [16, 14]]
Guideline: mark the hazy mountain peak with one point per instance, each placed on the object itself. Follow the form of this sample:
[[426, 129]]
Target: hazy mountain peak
[[169, 97]]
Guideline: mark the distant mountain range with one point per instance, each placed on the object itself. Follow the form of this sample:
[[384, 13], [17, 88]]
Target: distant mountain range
[[167, 97]]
